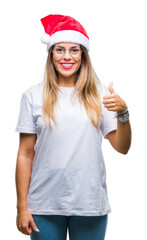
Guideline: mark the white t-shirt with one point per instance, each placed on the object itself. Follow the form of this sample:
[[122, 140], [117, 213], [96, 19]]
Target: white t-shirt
[[68, 174]]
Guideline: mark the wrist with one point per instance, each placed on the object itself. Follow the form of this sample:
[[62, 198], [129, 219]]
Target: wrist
[[123, 112], [122, 116], [21, 206]]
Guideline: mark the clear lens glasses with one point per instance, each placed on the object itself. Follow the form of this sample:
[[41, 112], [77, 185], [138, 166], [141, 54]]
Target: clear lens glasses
[[60, 51]]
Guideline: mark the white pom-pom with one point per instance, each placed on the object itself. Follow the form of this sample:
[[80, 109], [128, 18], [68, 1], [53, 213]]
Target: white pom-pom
[[45, 38]]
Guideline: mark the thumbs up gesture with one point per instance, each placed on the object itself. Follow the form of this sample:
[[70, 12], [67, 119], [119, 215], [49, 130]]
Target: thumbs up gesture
[[114, 102]]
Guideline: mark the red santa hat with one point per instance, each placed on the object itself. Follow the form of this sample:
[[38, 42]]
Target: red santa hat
[[61, 28]]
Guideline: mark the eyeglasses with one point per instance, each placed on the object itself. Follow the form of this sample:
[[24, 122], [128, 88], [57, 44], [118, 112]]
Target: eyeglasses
[[60, 51]]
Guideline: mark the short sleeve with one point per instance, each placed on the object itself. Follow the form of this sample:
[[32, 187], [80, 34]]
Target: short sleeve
[[25, 122], [109, 123]]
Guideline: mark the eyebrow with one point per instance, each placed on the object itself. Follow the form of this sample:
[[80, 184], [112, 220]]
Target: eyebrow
[[63, 46]]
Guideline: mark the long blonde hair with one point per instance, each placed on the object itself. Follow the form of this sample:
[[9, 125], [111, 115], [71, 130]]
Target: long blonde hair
[[85, 88]]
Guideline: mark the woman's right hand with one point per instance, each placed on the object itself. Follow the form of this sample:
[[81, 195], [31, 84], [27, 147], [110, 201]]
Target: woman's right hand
[[25, 222]]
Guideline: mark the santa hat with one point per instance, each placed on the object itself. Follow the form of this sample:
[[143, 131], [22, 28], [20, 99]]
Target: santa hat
[[60, 28]]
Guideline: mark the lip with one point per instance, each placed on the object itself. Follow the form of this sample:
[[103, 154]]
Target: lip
[[67, 67], [67, 63]]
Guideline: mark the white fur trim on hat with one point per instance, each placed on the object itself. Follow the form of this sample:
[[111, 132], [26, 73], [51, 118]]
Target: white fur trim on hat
[[68, 36], [45, 38]]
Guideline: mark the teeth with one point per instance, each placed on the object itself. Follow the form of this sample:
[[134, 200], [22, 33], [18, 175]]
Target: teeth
[[67, 64]]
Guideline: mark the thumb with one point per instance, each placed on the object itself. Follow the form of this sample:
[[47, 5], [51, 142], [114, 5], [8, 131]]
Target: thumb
[[110, 87], [33, 225]]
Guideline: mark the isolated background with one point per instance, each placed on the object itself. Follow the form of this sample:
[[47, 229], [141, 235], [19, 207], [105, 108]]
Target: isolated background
[[118, 50]]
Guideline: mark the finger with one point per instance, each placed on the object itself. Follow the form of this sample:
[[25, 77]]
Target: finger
[[110, 87], [112, 105], [33, 225], [112, 109], [28, 230], [109, 96], [24, 229], [112, 100]]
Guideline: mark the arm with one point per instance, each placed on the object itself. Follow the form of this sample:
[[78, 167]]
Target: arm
[[24, 168], [121, 138]]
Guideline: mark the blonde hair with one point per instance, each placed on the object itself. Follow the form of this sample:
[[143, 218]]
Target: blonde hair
[[85, 88]]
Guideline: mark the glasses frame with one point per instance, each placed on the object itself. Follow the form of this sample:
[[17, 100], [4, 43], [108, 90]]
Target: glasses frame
[[65, 49]]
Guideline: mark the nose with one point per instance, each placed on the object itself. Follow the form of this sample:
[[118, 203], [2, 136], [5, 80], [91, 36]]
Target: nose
[[67, 54]]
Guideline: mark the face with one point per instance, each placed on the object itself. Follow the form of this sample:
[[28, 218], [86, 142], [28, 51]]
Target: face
[[66, 65]]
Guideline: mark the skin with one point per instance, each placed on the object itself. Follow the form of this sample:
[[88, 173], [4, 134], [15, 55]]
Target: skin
[[120, 139], [67, 76], [24, 221]]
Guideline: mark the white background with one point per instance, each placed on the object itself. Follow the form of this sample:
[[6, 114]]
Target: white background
[[118, 50]]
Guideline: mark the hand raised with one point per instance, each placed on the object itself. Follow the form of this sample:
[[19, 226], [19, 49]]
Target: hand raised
[[113, 102]]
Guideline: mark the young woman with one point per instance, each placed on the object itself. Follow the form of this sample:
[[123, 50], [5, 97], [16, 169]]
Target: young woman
[[60, 171]]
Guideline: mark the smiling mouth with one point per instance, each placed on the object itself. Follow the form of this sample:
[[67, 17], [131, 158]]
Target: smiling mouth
[[67, 65]]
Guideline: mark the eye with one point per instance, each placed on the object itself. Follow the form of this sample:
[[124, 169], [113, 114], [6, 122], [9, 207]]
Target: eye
[[59, 50], [75, 50]]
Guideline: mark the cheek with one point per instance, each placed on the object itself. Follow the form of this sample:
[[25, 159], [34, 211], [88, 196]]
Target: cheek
[[54, 61], [56, 64], [78, 63]]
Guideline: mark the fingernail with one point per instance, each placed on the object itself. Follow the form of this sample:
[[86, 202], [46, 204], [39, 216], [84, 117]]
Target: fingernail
[[37, 229]]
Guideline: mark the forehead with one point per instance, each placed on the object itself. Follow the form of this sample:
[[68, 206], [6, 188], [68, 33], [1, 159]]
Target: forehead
[[67, 44]]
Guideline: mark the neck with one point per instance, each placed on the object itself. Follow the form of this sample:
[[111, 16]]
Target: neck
[[67, 81]]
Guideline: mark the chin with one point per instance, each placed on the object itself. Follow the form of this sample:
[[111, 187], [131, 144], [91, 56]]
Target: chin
[[67, 74]]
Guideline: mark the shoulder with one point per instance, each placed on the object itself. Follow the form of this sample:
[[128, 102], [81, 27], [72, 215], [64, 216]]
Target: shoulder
[[33, 91]]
